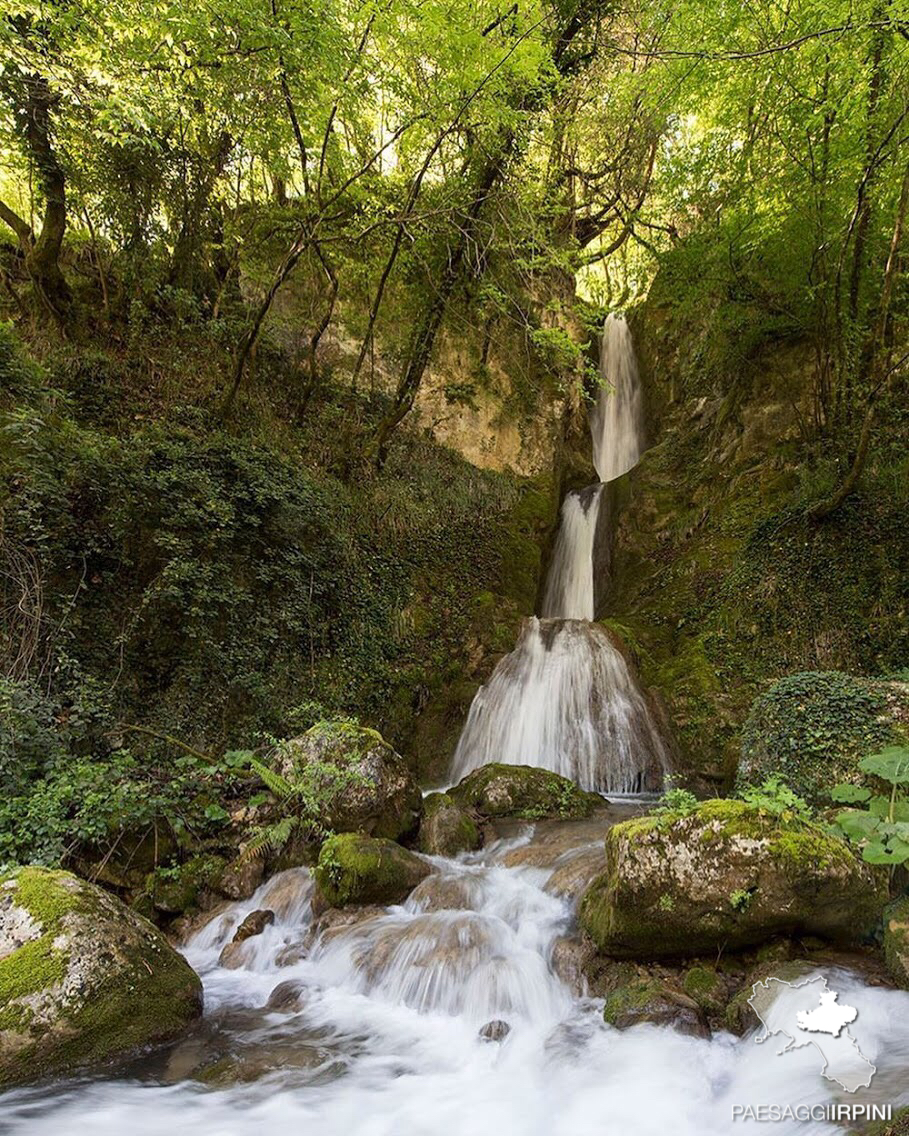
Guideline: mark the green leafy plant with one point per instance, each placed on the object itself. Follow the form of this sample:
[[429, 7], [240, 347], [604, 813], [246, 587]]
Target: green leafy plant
[[774, 797], [881, 829], [740, 899], [304, 798], [676, 802]]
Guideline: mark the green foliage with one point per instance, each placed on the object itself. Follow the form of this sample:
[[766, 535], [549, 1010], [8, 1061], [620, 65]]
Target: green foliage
[[881, 830], [774, 797], [675, 803], [811, 728], [304, 798]]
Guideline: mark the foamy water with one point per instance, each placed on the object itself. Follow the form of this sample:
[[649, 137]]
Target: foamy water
[[386, 1042]]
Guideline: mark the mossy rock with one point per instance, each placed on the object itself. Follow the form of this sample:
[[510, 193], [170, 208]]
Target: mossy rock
[[725, 877], [896, 941], [381, 798], [813, 728], [500, 790], [83, 979], [446, 829], [355, 869], [650, 1000], [177, 890]]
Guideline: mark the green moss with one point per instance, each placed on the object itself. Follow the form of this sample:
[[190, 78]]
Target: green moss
[[635, 996], [362, 869], [702, 984], [148, 994], [500, 790]]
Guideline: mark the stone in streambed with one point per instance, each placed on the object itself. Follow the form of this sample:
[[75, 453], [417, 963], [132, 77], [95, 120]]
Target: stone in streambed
[[356, 869], [446, 828], [254, 924], [724, 877], [496, 1030], [500, 790], [83, 979], [649, 1000]]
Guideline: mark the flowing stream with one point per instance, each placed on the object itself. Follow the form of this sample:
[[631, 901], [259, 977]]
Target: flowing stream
[[374, 1028], [463, 1011], [565, 698]]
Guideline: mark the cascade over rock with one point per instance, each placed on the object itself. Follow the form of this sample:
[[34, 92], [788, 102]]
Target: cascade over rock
[[565, 698]]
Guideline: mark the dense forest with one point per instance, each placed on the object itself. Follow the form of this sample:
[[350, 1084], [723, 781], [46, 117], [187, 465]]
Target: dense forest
[[301, 345]]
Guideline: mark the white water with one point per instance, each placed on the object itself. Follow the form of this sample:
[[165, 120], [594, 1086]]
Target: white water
[[570, 585], [386, 1042], [616, 419], [565, 700]]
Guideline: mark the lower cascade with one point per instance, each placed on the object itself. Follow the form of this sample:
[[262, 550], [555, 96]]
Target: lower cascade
[[565, 698], [452, 1013]]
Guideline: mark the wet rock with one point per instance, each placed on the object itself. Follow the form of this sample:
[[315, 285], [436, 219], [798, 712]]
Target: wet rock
[[336, 920], [500, 790], [896, 941], [726, 876], [571, 877], [254, 924], [570, 956], [288, 894], [496, 1030], [234, 956], [287, 996], [356, 869], [291, 954], [241, 877], [446, 828], [648, 1000], [439, 892], [82, 977], [380, 797]]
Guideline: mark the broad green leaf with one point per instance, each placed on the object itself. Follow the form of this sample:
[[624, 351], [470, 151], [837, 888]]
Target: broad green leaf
[[850, 794], [891, 764]]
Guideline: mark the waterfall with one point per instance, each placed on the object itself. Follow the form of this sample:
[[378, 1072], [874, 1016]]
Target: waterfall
[[616, 417], [570, 585], [565, 699]]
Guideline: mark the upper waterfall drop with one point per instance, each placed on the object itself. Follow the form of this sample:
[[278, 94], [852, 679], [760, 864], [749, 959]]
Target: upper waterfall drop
[[616, 420]]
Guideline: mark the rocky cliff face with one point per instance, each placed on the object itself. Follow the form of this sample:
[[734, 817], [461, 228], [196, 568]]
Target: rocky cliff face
[[721, 580]]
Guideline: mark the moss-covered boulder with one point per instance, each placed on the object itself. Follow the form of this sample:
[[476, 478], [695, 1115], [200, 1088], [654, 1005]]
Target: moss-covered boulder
[[82, 977], [367, 786], [446, 828], [500, 790], [896, 941], [813, 728], [724, 877], [355, 869]]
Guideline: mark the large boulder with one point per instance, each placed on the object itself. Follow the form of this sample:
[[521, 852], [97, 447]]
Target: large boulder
[[814, 727], [446, 827], [500, 790], [366, 785], [724, 877], [355, 869], [82, 977]]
